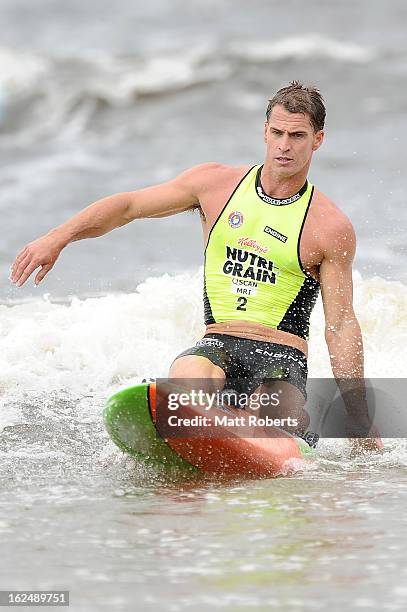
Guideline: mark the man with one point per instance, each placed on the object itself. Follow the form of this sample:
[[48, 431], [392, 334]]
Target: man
[[272, 241]]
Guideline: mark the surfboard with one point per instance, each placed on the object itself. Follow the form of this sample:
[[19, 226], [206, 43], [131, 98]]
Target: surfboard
[[137, 420]]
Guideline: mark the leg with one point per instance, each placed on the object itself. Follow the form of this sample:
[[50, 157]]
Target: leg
[[192, 366], [280, 372], [286, 402]]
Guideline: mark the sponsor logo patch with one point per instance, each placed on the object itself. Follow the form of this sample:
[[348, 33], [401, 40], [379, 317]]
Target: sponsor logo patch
[[235, 219], [278, 355], [275, 201], [250, 242], [249, 266], [210, 342], [275, 234]]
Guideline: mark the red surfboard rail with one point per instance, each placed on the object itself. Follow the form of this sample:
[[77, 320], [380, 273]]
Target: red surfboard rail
[[231, 451]]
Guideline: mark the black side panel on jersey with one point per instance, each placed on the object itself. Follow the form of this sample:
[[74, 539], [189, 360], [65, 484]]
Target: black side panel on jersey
[[296, 319]]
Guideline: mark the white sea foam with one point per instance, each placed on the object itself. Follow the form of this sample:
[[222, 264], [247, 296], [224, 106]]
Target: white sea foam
[[303, 47], [20, 72], [71, 88], [381, 308], [89, 348], [98, 343], [91, 75], [94, 343], [60, 94]]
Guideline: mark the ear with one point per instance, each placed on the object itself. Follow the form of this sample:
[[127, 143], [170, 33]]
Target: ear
[[318, 140], [266, 129]]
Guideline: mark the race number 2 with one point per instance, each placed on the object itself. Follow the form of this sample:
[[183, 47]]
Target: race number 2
[[242, 301]]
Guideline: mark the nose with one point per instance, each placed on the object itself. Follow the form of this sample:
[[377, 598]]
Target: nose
[[284, 143]]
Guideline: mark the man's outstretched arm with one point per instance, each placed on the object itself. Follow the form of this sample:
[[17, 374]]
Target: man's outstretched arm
[[101, 217], [342, 330]]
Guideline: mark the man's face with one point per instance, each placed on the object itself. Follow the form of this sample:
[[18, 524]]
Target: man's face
[[291, 141]]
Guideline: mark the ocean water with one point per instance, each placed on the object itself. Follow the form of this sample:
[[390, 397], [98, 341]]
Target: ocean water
[[77, 514], [97, 98]]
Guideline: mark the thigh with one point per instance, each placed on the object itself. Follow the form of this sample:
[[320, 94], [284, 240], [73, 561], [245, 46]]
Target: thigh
[[194, 366], [280, 399], [201, 367], [273, 362], [199, 373], [209, 358]]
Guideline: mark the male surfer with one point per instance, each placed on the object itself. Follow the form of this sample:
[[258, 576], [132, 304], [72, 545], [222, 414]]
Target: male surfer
[[272, 241]]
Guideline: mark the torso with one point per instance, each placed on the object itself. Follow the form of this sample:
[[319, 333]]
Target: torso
[[216, 191], [311, 244]]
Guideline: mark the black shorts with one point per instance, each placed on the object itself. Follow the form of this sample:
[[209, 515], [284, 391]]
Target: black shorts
[[249, 363]]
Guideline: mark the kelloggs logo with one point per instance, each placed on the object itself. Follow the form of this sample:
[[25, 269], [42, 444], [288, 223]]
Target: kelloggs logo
[[249, 242]]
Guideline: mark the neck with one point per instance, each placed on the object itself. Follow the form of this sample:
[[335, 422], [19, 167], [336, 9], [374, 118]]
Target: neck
[[279, 186]]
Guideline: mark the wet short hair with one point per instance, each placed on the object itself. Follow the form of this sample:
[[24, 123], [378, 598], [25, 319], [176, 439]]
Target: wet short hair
[[297, 98]]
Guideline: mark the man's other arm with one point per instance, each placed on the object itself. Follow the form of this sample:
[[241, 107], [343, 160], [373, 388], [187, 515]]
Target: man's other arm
[[101, 217], [342, 330]]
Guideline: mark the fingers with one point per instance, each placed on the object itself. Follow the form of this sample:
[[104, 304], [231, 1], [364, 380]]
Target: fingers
[[19, 268], [379, 443], [44, 270], [21, 255], [365, 445], [26, 273], [42, 253], [17, 262]]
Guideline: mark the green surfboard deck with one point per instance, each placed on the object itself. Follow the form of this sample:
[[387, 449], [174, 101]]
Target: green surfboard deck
[[129, 424]]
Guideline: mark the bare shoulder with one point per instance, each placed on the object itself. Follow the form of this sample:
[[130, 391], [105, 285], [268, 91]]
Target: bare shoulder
[[208, 174], [337, 234], [210, 184]]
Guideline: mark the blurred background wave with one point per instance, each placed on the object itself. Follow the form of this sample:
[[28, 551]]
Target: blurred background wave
[[96, 98]]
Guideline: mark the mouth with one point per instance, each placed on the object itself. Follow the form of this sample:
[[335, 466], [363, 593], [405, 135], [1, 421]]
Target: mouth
[[283, 160]]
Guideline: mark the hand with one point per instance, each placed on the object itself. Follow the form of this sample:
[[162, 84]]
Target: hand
[[365, 445], [41, 252]]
